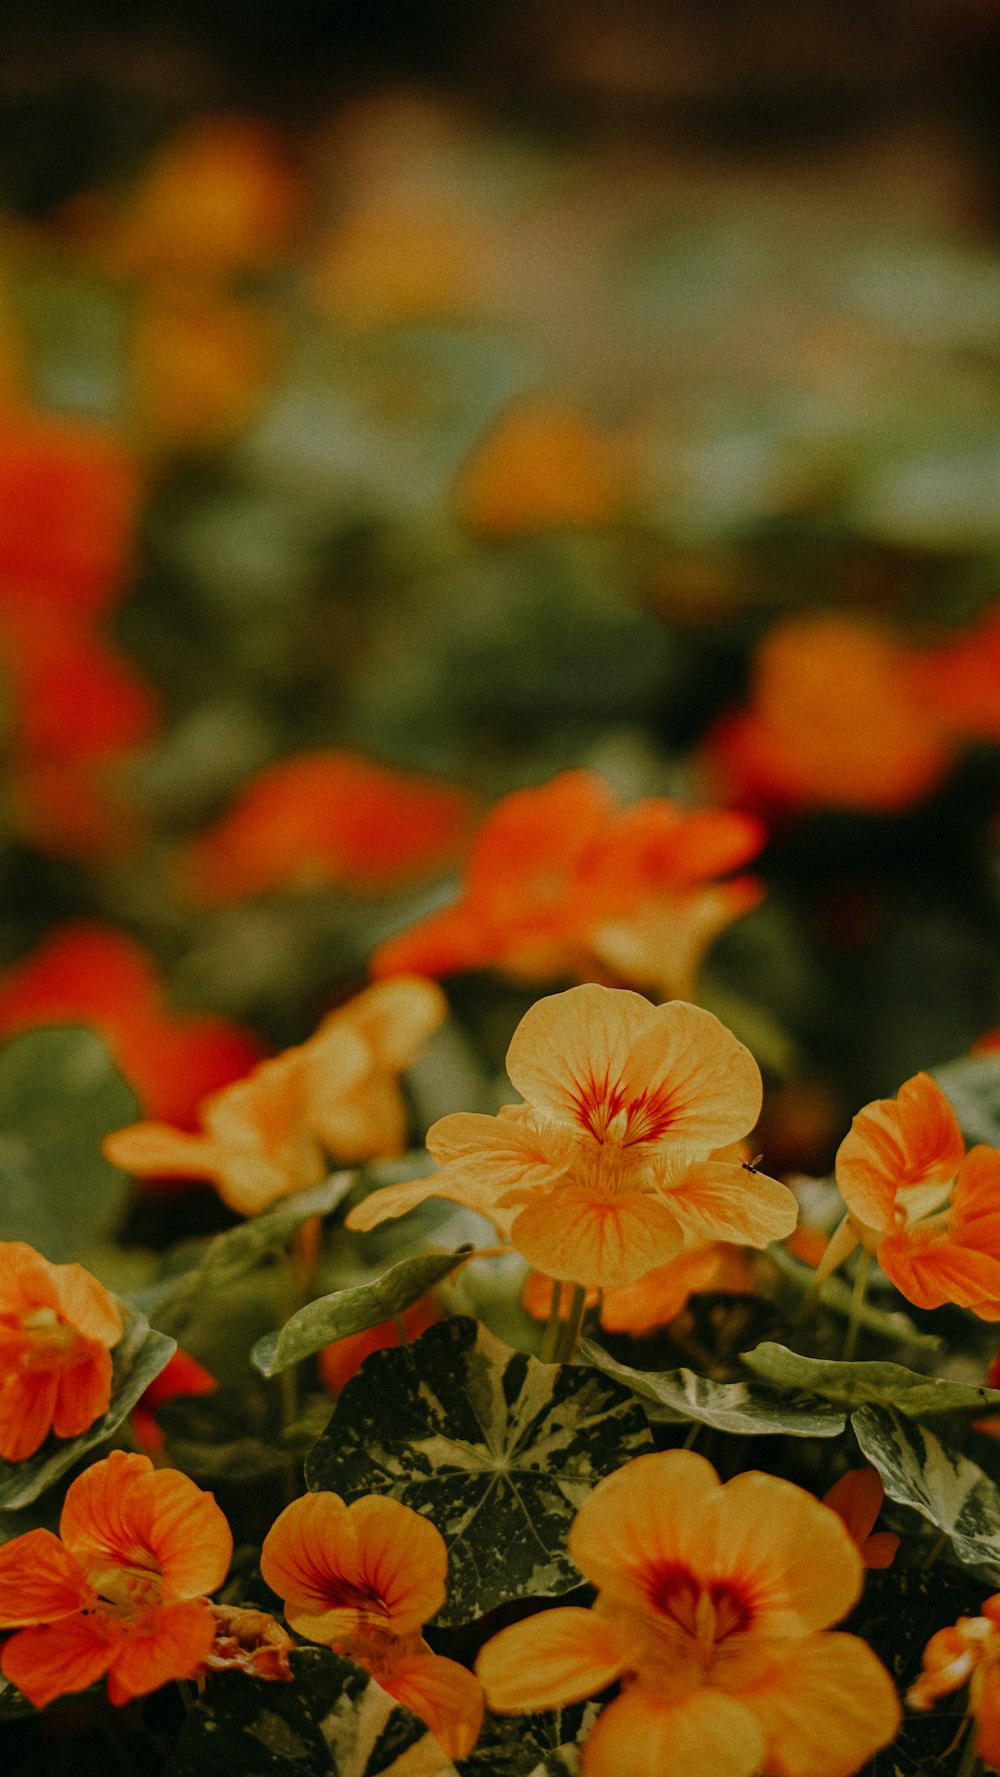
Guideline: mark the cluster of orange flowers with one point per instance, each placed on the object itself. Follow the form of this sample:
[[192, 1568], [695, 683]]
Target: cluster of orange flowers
[[562, 882], [967, 1653]]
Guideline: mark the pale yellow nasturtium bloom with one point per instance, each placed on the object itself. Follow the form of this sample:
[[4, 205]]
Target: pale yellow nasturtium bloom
[[335, 1098], [610, 1167]]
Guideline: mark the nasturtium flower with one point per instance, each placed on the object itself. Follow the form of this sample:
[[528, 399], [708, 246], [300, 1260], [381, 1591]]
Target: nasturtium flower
[[658, 1297], [561, 881], [251, 1641], [363, 1579], [967, 1653], [335, 1097], [857, 1498], [545, 467], [58, 1327], [326, 819], [713, 1611], [120, 1591], [608, 1168], [928, 1209]]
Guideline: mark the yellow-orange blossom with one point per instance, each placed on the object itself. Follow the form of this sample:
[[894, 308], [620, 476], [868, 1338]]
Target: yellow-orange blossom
[[612, 1165]]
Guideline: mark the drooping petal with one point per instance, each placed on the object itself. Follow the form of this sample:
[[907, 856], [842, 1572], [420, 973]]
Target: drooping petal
[[576, 1233], [174, 1645], [560, 1656], [123, 1512], [857, 1498], [706, 1734], [930, 1270], [658, 1296], [714, 1200], [443, 1694], [898, 1144], [569, 1053], [825, 1710], [40, 1581], [57, 1658], [482, 1159], [151, 1150]]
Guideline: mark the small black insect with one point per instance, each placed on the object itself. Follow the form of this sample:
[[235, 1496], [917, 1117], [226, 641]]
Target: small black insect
[[752, 1165]]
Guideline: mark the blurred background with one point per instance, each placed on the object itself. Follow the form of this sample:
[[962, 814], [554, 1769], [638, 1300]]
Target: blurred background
[[403, 403]]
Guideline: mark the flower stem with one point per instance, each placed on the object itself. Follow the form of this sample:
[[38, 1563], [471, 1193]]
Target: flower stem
[[858, 1294], [969, 1761], [571, 1336], [553, 1326]]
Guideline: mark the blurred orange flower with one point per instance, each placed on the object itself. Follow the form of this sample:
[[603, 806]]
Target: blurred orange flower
[[959, 680], [68, 499], [336, 1096], [364, 1579], [326, 819], [122, 1592], [561, 882], [967, 1652], [545, 467], [712, 1611], [91, 973], [606, 1171], [834, 718], [200, 366], [929, 1210], [857, 1498], [394, 260], [58, 1326]]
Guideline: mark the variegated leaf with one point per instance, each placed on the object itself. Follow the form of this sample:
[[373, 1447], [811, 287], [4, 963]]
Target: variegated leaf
[[857, 1384], [746, 1408], [944, 1486], [497, 1449]]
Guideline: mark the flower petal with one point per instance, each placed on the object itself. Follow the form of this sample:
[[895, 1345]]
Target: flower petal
[[482, 1160], [27, 1405], [394, 1018], [645, 1515], [443, 1694], [793, 1557], [714, 1200], [83, 1395], [826, 1710], [152, 1150], [898, 1143], [569, 1052], [560, 1656], [40, 1581], [707, 1734], [931, 1272], [56, 1658], [174, 1646], [124, 1512], [704, 1084], [573, 1232], [340, 1569]]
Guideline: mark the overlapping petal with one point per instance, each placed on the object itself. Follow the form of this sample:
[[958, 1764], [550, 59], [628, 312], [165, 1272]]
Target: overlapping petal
[[557, 1657]]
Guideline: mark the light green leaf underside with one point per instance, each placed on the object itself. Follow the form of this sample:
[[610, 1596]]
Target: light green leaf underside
[[497, 1449], [348, 1311], [746, 1408], [857, 1384]]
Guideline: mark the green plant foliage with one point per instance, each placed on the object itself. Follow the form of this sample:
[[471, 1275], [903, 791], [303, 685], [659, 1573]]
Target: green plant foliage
[[138, 1357], [231, 1255], [894, 1326], [973, 1087], [744, 1408], [333, 1721], [60, 1095], [353, 1310], [521, 1745], [497, 1449], [856, 1384], [941, 1484]]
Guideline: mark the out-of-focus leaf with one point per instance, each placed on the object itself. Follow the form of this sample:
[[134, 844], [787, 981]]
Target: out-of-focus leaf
[[60, 1095], [353, 1310], [138, 1357], [972, 1085], [944, 1486], [837, 1295], [745, 1408], [857, 1384], [497, 1449]]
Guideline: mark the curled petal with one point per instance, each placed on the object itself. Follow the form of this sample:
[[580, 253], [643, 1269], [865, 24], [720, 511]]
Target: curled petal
[[908, 1143], [930, 1271], [706, 1734], [560, 1656], [443, 1694], [87, 1305], [714, 1200], [57, 1658], [40, 1581]]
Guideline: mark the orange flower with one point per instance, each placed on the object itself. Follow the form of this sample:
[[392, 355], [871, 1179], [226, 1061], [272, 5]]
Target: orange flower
[[657, 1298], [607, 1170], [395, 261], [200, 366], [914, 1197], [58, 1326], [968, 1652], [960, 679], [834, 719], [122, 1593], [559, 881], [182, 1374], [336, 1096], [712, 1611], [545, 467], [857, 1498], [68, 499], [250, 1641], [364, 1579], [91, 973], [342, 1360], [326, 818]]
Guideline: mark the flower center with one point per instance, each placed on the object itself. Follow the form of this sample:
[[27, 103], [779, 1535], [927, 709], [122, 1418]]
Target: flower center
[[50, 1340], [707, 1613], [128, 1593]]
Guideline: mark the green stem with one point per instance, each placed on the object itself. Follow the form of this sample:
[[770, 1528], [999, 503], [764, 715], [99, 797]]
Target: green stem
[[858, 1294], [689, 1441], [969, 1761], [553, 1326], [571, 1336], [937, 1548]]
